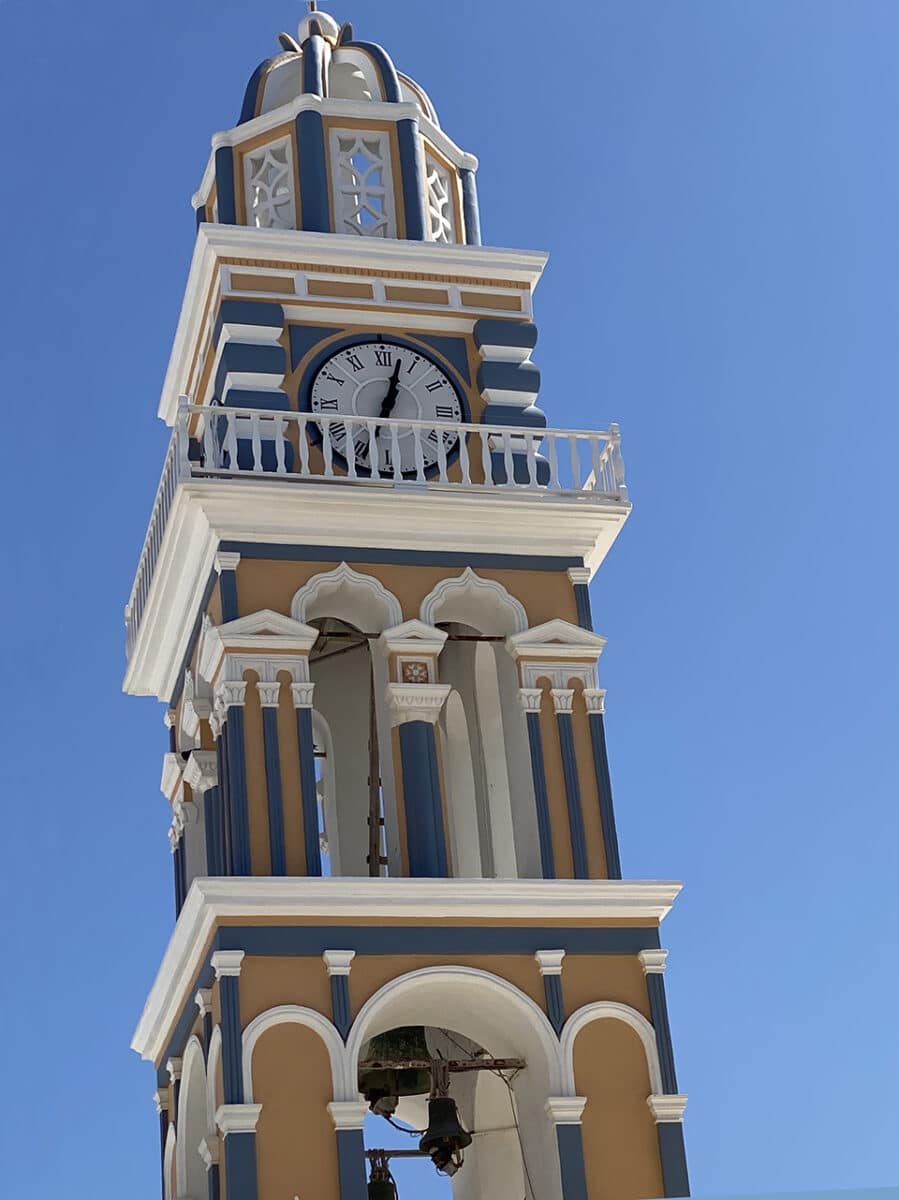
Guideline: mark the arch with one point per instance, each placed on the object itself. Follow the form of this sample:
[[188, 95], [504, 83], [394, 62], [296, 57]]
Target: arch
[[353, 75], [469, 599], [462, 815], [358, 599], [212, 1066], [297, 1015], [168, 1163], [599, 1011], [190, 1170]]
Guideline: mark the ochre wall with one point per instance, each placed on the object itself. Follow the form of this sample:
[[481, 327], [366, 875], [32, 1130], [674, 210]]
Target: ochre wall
[[621, 1155]]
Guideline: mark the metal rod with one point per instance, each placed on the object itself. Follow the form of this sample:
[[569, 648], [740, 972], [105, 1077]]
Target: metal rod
[[453, 1065], [374, 785]]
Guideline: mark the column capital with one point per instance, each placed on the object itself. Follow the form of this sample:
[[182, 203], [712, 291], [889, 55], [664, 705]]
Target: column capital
[[269, 694], [161, 1100], [237, 1118], [226, 560], [653, 961], [203, 1001], [173, 1066], [530, 699], [550, 961], [579, 574], [209, 1150], [169, 718], [563, 699], [416, 701], [595, 700], [302, 694], [667, 1108], [338, 962], [348, 1114], [565, 1110], [227, 962], [230, 693], [201, 770]]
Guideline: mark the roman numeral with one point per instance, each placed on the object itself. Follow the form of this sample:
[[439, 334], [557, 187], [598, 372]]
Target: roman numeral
[[327, 405], [432, 387], [361, 447], [355, 362], [383, 358], [416, 358], [334, 378], [445, 411], [433, 436], [337, 432]]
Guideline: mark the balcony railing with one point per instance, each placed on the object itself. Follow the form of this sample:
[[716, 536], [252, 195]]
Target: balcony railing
[[313, 448]]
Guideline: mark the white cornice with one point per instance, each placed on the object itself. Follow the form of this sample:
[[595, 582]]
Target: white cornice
[[326, 250], [210, 901], [667, 1108]]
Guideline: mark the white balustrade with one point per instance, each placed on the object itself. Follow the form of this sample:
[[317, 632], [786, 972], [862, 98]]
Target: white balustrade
[[233, 443]]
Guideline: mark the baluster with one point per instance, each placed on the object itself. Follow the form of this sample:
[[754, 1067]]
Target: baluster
[[231, 440], [599, 482], [395, 451], [374, 455], [257, 442], [486, 461], [441, 456], [553, 453], [463, 456], [280, 464], [507, 459], [209, 455], [303, 442], [182, 438], [532, 459], [575, 462], [350, 450], [617, 461], [328, 449], [417, 438]]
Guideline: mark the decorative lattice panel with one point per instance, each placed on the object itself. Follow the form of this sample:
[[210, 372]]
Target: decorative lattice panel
[[441, 213], [362, 183], [268, 186]]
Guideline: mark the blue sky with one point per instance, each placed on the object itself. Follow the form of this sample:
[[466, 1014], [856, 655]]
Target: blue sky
[[717, 183]]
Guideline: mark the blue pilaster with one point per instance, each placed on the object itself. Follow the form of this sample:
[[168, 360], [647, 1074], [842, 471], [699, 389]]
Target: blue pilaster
[[422, 803], [240, 1166], [412, 167], [227, 964], [179, 872], [673, 1157], [213, 1183], [654, 962], [269, 692], [302, 698], [580, 580], [470, 209], [550, 964], [313, 65], [315, 210], [562, 698], [530, 700], [221, 747], [226, 567], [215, 842], [571, 1162], [351, 1164], [338, 966], [238, 808], [594, 699], [224, 185]]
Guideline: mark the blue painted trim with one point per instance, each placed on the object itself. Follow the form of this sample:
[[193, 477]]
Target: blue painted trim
[[471, 211], [273, 788], [351, 1165], [213, 1183], [180, 876], [237, 792], [215, 847], [390, 84], [582, 603], [511, 414], [538, 775], [571, 1162], [163, 1136], [425, 841], [308, 940], [509, 377], [555, 1007], [257, 359], [304, 338], [315, 208], [224, 185], [250, 398], [228, 595], [367, 554], [340, 1004], [604, 791], [658, 1007], [573, 796], [240, 1166], [308, 791], [207, 1033], [192, 640], [232, 1057], [263, 314], [201, 216], [491, 331], [453, 349], [673, 1156], [313, 64], [413, 172], [256, 80]]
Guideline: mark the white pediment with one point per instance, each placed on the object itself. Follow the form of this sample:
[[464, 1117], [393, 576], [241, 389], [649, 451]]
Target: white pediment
[[412, 636], [555, 639], [260, 632]]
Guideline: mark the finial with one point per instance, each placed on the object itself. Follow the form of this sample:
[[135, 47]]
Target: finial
[[317, 23]]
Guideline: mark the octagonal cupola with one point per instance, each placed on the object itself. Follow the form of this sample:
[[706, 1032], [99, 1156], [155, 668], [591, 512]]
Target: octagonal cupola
[[332, 138]]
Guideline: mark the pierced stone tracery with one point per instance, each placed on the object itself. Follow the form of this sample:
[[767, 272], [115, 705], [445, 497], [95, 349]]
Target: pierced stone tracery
[[268, 174], [364, 199], [440, 204]]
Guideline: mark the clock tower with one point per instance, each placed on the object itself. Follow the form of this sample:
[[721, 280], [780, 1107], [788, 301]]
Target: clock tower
[[362, 598]]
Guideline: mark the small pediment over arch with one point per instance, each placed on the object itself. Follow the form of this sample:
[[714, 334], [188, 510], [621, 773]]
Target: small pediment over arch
[[265, 631], [556, 639], [413, 636]]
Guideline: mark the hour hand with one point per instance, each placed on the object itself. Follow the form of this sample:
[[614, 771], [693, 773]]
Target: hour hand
[[393, 387]]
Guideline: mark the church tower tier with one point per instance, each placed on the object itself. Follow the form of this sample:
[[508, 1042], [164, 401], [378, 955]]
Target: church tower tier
[[363, 599]]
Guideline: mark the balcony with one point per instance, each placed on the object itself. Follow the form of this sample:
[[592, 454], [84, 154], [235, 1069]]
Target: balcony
[[309, 455]]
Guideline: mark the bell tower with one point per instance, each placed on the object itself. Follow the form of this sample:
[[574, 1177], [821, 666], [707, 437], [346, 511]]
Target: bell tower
[[362, 598]]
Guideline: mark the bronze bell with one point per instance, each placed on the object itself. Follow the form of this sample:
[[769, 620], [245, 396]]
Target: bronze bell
[[381, 1084], [445, 1137], [381, 1189]]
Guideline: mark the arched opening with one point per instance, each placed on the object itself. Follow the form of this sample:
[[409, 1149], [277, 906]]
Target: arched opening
[[190, 1172]]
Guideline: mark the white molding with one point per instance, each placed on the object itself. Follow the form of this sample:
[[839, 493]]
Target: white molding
[[226, 962], [471, 585], [172, 774], [579, 574], [530, 699], [338, 962], [348, 1114], [230, 693], [416, 701], [161, 1100], [226, 560], [344, 575], [549, 961], [605, 1010], [210, 1149], [213, 1062], [413, 637], [295, 1014], [201, 770], [203, 1001], [556, 639], [174, 1068], [654, 961], [565, 1110], [237, 1118], [269, 694], [261, 634], [210, 901], [302, 694], [563, 699], [667, 1109], [595, 700]]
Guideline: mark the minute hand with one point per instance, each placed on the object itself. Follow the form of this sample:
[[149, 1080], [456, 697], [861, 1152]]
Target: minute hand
[[389, 401]]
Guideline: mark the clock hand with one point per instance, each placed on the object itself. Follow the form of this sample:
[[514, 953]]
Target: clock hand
[[389, 402]]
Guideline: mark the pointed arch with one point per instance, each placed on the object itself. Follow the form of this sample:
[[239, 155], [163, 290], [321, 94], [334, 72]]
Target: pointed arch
[[358, 599], [470, 599], [190, 1170], [603, 1010], [344, 1088]]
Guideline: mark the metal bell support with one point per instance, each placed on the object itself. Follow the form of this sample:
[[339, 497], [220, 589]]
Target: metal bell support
[[381, 1185]]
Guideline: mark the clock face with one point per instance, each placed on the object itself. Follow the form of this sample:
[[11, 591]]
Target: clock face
[[385, 380]]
